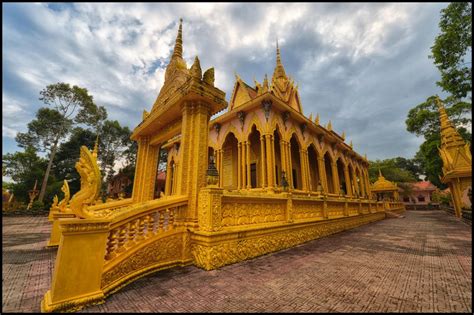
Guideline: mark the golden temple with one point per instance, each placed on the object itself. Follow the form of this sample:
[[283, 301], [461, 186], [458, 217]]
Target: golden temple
[[281, 179]]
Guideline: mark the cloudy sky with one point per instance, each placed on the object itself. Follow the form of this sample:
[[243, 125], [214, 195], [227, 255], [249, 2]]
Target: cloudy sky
[[360, 65]]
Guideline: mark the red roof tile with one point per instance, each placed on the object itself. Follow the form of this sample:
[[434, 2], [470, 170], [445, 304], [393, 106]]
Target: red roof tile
[[423, 185]]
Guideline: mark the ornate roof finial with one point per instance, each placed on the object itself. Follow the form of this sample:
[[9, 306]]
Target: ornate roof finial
[[329, 126], [350, 144], [279, 70], [343, 136], [196, 69], [316, 120], [178, 46], [311, 116], [265, 84], [96, 146], [380, 173]]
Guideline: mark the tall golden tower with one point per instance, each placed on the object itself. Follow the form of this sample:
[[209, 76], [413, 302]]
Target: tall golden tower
[[457, 160]]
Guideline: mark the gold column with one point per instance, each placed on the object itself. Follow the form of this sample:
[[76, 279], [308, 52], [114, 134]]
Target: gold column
[[303, 156], [367, 182], [273, 160], [290, 165], [168, 179], [322, 173], [283, 157], [239, 166], [262, 160], [270, 181], [354, 183], [247, 149], [362, 183], [348, 181], [335, 177]]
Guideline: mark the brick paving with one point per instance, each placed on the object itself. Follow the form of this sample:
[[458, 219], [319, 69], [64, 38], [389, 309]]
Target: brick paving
[[420, 263]]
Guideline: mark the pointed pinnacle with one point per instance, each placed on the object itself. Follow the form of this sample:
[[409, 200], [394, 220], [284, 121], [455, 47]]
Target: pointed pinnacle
[[178, 46], [316, 120], [96, 146]]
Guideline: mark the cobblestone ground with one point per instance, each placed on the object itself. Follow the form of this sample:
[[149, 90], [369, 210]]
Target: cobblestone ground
[[420, 263]]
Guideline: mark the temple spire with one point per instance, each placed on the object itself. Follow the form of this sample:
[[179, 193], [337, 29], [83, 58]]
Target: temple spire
[[449, 135], [279, 69], [178, 46]]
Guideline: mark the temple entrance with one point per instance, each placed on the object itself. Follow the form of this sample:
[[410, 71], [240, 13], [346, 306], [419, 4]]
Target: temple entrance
[[278, 159], [313, 168], [342, 177], [253, 175], [351, 180], [229, 162], [256, 162], [295, 163], [329, 175]]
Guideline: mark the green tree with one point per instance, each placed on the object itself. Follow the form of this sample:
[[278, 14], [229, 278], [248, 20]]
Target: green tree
[[114, 145], [24, 168], [68, 154], [397, 170], [449, 51], [72, 106], [452, 46]]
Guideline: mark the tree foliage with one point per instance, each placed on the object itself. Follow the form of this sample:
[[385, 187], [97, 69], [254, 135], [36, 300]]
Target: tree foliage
[[24, 168], [449, 51], [72, 106], [452, 46], [399, 170]]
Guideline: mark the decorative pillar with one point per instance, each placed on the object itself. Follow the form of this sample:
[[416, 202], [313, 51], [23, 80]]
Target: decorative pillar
[[145, 172], [239, 165], [348, 181], [193, 154], [263, 161], [304, 177], [273, 160], [85, 249], [247, 160], [270, 159], [335, 177], [322, 173], [283, 158], [290, 164]]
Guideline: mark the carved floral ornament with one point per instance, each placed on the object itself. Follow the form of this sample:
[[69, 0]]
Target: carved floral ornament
[[285, 116], [241, 116], [217, 127], [267, 106]]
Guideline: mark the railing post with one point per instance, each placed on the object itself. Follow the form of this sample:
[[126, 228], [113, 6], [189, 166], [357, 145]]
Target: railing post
[[289, 208], [55, 236], [79, 264], [325, 207], [210, 206]]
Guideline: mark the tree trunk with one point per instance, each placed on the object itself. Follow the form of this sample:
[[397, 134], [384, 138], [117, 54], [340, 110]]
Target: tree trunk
[[48, 169]]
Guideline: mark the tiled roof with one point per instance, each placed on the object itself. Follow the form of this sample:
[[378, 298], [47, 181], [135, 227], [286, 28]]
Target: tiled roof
[[423, 185]]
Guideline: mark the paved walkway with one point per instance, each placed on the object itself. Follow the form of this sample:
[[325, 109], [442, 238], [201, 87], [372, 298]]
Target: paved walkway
[[420, 263]]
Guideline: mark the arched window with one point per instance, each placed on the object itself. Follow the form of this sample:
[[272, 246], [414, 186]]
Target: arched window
[[230, 162], [313, 168], [256, 162], [329, 175], [295, 163]]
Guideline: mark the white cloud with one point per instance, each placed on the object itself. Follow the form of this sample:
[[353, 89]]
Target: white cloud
[[117, 50]]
